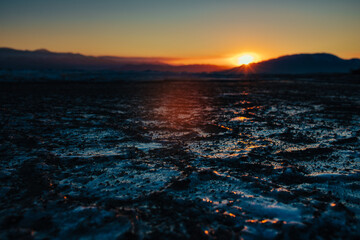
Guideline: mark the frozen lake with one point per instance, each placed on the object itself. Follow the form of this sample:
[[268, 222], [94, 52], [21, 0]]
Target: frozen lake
[[177, 160]]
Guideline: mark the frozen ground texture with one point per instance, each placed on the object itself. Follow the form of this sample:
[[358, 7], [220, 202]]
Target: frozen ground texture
[[178, 160]]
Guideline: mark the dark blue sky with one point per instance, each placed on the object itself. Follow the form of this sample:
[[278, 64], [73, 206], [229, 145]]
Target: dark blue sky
[[188, 29]]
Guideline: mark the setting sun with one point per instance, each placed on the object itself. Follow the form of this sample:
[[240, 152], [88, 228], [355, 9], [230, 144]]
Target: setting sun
[[245, 59]]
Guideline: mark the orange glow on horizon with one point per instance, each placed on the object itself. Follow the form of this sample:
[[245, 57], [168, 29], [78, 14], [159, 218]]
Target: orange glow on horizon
[[245, 58], [227, 60], [188, 29]]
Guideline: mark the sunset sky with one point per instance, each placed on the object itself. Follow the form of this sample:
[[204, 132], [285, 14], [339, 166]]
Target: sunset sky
[[204, 31]]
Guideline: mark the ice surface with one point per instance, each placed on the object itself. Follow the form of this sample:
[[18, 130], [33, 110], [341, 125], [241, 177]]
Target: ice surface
[[179, 160]]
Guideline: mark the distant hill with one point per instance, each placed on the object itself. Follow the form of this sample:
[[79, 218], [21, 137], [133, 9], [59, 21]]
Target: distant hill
[[299, 64], [43, 59]]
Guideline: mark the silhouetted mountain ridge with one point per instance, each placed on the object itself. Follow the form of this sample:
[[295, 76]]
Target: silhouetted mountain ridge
[[44, 59], [299, 64]]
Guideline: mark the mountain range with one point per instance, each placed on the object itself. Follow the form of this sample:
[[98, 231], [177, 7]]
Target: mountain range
[[299, 64], [43, 59]]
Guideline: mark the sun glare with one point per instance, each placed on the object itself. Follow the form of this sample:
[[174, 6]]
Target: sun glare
[[245, 59]]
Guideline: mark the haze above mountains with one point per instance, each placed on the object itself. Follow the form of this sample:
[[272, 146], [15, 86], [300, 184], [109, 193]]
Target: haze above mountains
[[291, 64]]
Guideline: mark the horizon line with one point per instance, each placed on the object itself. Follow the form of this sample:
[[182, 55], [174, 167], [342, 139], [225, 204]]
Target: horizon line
[[167, 60]]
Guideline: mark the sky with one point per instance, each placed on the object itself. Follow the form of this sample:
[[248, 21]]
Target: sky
[[203, 31]]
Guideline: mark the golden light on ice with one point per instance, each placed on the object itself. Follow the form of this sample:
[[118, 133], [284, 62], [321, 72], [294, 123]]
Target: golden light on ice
[[245, 59]]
